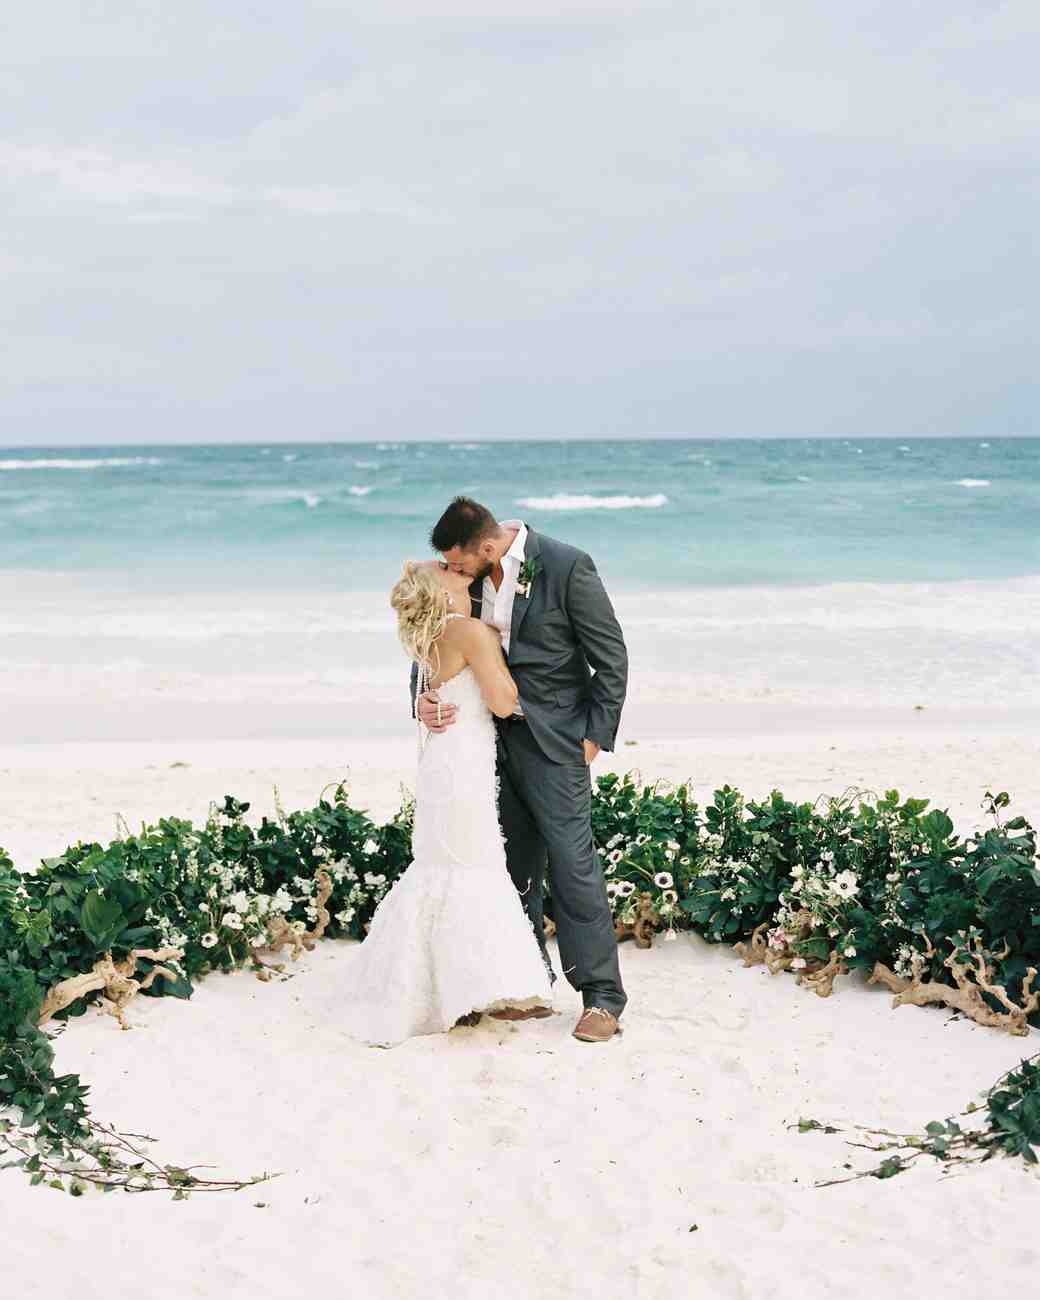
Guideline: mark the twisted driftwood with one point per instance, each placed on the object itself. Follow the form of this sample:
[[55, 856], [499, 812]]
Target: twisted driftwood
[[280, 932], [971, 982], [817, 976], [115, 978], [643, 927]]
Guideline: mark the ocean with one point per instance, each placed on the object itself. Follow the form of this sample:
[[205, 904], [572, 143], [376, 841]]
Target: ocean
[[657, 515]]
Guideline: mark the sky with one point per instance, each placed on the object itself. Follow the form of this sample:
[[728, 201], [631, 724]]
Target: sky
[[517, 218]]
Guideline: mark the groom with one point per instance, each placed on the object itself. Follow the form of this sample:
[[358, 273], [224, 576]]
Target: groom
[[568, 658]]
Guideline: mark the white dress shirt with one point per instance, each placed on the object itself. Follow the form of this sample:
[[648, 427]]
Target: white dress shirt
[[496, 607]]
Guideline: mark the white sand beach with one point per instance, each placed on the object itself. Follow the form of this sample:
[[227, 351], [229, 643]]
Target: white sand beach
[[511, 1160]]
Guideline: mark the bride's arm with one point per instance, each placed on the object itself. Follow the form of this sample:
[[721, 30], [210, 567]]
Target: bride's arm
[[482, 648]]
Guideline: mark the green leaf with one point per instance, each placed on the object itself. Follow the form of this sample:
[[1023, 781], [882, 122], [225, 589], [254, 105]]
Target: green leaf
[[102, 920]]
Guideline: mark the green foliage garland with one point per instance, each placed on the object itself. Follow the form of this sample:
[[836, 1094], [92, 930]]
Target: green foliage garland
[[871, 879]]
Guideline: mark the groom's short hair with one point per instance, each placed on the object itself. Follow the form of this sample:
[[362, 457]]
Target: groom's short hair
[[465, 524]]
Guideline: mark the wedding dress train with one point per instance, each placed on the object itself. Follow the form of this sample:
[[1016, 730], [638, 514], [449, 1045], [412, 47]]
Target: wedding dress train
[[451, 936]]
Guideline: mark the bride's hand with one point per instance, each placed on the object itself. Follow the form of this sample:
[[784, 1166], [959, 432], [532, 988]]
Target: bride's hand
[[433, 715]]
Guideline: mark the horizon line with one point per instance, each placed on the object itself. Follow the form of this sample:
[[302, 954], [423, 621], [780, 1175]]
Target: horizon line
[[460, 439]]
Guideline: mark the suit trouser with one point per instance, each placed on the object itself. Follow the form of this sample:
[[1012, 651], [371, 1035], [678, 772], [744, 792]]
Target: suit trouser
[[546, 814]]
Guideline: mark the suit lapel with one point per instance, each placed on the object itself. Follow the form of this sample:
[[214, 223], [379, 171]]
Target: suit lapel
[[521, 604]]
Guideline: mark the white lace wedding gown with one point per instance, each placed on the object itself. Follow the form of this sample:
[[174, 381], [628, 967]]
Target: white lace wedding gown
[[451, 936]]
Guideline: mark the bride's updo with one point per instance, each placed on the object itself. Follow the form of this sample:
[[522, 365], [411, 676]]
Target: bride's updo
[[421, 604]]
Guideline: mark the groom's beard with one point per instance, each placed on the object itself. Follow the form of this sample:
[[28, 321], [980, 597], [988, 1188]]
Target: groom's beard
[[482, 572]]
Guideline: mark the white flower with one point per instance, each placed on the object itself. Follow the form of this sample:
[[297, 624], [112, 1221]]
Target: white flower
[[231, 921], [625, 887], [239, 901], [845, 884], [798, 963], [208, 940], [670, 896], [893, 875], [615, 857], [614, 841], [346, 916], [684, 862], [663, 880], [641, 840], [258, 941], [371, 846], [797, 869], [670, 936], [673, 845], [850, 951], [612, 889]]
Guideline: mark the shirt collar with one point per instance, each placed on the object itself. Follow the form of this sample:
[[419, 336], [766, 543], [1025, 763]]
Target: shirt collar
[[516, 551]]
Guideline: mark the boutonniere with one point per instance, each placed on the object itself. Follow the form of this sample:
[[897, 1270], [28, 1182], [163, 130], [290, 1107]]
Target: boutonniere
[[529, 570]]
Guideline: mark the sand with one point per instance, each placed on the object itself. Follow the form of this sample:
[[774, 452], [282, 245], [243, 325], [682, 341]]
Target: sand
[[510, 1160]]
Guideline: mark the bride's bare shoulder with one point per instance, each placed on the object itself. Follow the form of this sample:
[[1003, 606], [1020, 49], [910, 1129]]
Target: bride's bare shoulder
[[469, 633]]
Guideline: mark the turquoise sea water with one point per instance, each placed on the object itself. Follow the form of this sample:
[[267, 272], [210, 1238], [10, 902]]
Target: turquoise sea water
[[657, 515]]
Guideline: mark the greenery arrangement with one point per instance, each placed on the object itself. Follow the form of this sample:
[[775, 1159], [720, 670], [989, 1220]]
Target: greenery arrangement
[[879, 884]]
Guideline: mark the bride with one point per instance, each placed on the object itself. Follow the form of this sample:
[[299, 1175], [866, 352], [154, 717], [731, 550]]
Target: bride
[[451, 939]]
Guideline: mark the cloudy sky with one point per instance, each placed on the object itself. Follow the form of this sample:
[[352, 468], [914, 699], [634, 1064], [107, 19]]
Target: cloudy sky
[[227, 220]]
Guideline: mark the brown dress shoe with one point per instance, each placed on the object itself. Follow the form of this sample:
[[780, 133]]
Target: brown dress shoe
[[596, 1026], [521, 1013]]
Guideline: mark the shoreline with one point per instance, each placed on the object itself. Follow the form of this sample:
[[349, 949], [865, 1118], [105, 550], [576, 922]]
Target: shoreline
[[53, 794]]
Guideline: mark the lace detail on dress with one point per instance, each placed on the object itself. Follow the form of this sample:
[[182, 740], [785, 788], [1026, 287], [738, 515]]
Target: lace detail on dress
[[452, 935]]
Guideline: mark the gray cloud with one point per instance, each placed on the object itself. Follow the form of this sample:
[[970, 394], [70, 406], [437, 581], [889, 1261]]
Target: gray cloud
[[505, 219]]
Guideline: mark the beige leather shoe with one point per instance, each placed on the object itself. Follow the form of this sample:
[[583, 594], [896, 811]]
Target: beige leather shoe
[[596, 1026]]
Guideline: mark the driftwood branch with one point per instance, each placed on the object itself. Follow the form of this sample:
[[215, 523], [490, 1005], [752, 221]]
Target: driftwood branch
[[116, 981], [643, 927], [817, 976], [281, 933], [972, 980]]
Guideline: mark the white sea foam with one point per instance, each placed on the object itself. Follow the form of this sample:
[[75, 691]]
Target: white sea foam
[[289, 455], [972, 482], [983, 444], [105, 462], [803, 478], [310, 500], [903, 447], [569, 501], [466, 446], [357, 491], [366, 464]]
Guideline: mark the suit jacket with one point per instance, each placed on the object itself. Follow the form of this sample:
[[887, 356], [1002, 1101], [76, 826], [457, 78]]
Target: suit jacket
[[566, 652]]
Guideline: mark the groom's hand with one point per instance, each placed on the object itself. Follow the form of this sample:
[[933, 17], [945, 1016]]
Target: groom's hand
[[434, 715], [591, 752]]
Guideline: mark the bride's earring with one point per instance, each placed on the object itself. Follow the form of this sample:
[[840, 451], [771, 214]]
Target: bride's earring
[[451, 601]]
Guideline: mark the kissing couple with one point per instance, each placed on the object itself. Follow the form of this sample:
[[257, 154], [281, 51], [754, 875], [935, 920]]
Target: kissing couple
[[519, 671]]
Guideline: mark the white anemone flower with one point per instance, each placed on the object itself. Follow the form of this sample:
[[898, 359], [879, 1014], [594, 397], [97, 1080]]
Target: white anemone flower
[[845, 884], [371, 846], [798, 963], [670, 896], [663, 880], [625, 887], [209, 940]]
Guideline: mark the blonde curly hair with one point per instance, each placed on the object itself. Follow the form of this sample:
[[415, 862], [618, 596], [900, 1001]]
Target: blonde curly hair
[[421, 605]]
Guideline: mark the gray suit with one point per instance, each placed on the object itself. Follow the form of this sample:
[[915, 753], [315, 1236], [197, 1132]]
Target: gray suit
[[562, 631]]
